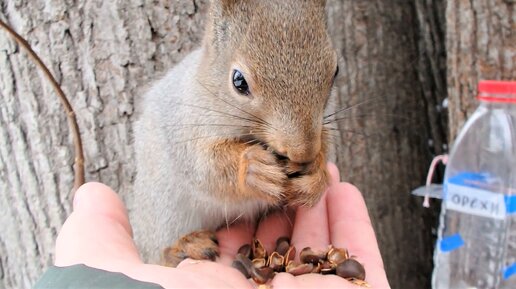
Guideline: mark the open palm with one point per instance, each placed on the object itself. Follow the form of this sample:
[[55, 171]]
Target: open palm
[[98, 234]]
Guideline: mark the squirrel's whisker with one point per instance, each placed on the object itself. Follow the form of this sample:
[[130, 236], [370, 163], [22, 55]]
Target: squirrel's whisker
[[217, 111], [223, 136], [394, 76], [353, 106], [365, 115], [226, 214], [193, 125], [262, 121], [253, 141]]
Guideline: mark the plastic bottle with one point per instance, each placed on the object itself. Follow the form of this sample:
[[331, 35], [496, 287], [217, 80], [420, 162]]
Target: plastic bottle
[[476, 245]]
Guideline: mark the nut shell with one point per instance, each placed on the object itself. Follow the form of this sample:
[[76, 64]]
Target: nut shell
[[240, 267], [258, 250], [290, 255], [337, 255], [262, 275], [327, 268], [259, 262], [307, 255], [245, 250], [276, 261], [282, 245], [299, 269], [351, 268]]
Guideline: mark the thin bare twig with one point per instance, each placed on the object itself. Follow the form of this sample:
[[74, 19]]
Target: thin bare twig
[[79, 155]]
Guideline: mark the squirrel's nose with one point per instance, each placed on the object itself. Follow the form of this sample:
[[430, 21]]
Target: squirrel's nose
[[300, 153], [302, 156]]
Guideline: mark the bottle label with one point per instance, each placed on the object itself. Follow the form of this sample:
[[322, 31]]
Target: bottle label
[[475, 201]]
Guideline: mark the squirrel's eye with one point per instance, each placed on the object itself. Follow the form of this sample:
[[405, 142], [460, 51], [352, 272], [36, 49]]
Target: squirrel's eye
[[240, 83]]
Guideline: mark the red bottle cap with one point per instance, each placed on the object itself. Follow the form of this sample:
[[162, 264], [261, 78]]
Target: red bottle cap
[[497, 91]]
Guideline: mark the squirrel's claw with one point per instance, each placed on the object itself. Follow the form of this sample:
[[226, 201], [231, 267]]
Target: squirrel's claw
[[260, 175], [307, 188], [200, 245]]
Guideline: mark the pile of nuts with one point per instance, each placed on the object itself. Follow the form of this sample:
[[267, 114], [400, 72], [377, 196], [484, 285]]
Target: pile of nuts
[[254, 262]]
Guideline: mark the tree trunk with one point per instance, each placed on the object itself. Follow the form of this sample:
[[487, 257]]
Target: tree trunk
[[393, 60], [104, 53], [481, 44]]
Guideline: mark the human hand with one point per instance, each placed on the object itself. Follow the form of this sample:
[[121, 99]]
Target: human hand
[[98, 234]]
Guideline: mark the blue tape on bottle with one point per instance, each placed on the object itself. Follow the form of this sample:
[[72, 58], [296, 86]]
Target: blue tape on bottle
[[451, 243], [510, 204], [509, 271], [469, 179]]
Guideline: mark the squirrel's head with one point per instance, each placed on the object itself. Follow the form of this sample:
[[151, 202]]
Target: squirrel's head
[[275, 60]]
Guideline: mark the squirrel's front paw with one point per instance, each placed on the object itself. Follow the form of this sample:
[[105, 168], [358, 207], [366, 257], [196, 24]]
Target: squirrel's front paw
[[260, 174], [306, 187], [200, 245]]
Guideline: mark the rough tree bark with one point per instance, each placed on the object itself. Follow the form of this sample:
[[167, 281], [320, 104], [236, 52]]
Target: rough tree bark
[[393, 52], [104, 53], [481, 44]]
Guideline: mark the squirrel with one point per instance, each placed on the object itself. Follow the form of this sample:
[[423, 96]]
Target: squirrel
[[235, 129]]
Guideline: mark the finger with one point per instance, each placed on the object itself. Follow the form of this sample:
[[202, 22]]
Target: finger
[[334, 172], [285, 280], [194, 275], [350, 228], [232, 238], [220, 276], [97, 233], [276, 225], [311, 227], [97, 198]]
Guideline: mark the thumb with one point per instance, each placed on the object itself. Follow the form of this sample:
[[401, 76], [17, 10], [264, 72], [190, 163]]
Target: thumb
[[98, 232]]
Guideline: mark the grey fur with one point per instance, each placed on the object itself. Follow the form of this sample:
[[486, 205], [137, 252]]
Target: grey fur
[[169, 200]]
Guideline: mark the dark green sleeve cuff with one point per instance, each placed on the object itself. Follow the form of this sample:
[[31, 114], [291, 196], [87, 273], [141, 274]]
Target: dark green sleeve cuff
[[84, 277]]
